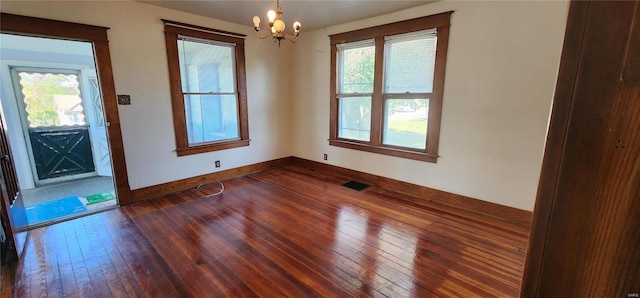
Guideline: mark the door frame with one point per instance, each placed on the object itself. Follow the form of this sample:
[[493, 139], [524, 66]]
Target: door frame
[[96, 121], [550, 221], [31, 26], [8, 198], [556, 137]]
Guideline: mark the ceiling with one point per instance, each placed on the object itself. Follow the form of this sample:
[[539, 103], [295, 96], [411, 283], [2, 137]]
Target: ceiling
[[312, 14]]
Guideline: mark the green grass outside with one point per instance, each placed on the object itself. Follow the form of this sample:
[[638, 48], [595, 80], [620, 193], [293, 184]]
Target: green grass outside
[[418, 126]]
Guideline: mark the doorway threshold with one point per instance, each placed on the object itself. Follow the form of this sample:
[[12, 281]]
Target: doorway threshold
[[63, 219]]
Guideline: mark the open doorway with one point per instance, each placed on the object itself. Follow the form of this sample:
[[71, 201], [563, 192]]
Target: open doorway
[[55, 122], [10, 192]]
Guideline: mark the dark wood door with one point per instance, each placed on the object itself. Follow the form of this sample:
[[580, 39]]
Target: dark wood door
[[9, 192], [585, 237]]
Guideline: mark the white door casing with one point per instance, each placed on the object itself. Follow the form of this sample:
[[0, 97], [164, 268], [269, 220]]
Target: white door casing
[[97, 123]]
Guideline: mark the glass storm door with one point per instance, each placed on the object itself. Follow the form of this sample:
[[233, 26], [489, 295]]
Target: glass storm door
[[54, 122]]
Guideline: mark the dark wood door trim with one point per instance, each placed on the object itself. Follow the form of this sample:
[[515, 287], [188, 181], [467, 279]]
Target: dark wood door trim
[[584, 234], [11, 23], [30, 26], [9, 190], [6, 221], [556, 136]]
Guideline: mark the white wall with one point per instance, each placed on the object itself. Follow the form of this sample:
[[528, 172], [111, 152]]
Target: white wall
[[139, 63], [502, 65], [501, 71]]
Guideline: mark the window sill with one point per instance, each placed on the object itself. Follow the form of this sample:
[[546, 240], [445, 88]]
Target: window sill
[[212, 147], [421, 156]]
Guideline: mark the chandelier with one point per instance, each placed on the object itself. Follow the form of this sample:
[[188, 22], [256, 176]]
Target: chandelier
[[277, 26]]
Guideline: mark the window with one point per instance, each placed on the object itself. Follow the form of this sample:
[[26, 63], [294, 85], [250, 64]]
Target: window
[[208, 89], [386, 87]]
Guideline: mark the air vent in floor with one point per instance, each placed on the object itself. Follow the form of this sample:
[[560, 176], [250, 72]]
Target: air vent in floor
[[355, 185]]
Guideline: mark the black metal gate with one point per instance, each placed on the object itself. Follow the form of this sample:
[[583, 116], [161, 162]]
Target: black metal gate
[[61, 151]]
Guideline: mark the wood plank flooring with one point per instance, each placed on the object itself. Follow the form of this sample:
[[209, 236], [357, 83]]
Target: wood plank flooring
[[286, 232]]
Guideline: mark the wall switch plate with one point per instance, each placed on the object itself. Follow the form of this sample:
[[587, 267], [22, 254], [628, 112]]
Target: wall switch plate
[[124, 99]]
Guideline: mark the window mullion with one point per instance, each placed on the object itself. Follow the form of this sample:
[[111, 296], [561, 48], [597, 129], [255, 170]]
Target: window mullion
[[377, 100]]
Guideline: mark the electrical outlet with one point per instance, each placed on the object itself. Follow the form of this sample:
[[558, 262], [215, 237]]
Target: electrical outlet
[[326, 157], [217, 163]]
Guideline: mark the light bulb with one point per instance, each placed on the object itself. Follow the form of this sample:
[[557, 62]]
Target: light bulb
[[272, 16], [296, 26], [278, 25], [256, 21]]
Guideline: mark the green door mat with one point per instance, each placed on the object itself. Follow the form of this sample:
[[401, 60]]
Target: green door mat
[[99, 197]]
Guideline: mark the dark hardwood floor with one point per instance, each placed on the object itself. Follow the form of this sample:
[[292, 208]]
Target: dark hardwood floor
[[286, 232]]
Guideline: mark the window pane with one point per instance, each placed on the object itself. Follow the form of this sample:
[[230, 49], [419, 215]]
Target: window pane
[[405, 123], [206, 67], [357, 66], [355, 118], [52, 99], [211, 118], [409, 65]]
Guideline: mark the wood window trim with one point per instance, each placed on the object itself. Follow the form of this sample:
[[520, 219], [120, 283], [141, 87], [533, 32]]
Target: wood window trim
[[172, 30], [430, 154]]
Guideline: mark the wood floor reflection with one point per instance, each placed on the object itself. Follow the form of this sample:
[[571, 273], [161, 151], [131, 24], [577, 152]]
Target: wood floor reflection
[[286, 232]]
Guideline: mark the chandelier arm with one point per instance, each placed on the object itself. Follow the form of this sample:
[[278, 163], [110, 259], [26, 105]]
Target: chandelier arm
[[263, 37], [291, 38]]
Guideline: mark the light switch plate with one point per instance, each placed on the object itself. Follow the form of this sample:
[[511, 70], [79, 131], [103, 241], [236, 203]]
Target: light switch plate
[[124, 99]]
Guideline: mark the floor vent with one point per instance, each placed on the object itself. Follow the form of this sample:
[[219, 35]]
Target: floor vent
[[355, 185]]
